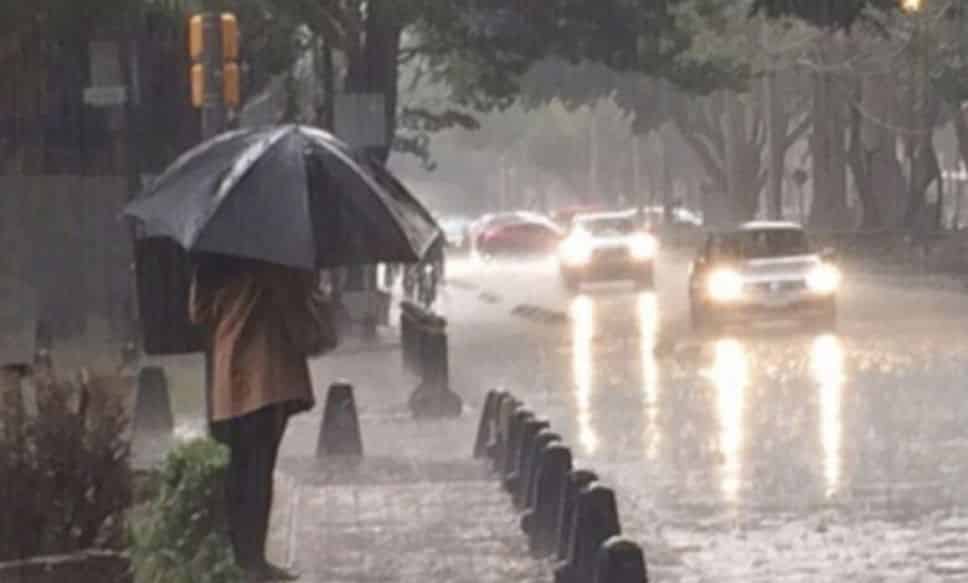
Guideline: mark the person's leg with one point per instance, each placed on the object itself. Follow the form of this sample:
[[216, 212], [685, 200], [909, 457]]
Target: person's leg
[[273, 427], [272, 424], [247, 459], [228, 433]]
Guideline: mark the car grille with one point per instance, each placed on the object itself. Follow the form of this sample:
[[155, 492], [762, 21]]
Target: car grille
[[768, 287], [617, 254]]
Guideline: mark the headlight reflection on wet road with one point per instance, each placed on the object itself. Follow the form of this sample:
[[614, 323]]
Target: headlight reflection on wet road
[[730, 375], [648, 315], [583, 368], [827, 364]]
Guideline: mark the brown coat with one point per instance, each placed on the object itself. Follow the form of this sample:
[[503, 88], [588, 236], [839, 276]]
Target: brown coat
[[254, 362]]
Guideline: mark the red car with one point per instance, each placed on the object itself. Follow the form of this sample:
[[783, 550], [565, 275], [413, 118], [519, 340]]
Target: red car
[[525, 238]]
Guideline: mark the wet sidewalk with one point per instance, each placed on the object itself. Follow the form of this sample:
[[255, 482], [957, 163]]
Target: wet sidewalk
[[456, 526], [417, 508]]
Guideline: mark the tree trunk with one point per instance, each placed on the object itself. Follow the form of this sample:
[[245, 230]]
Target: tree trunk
[[829, 156], [878, 111], [777, 124], [861, 160], [925, 169]]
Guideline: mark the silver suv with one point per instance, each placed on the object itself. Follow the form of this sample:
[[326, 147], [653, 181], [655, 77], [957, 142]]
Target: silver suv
[[762, 270]]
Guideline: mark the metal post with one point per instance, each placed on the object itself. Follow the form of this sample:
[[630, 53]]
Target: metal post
[[213, 110], [213, 123]]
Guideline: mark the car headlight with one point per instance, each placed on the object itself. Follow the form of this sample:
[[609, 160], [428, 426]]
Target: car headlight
[[575, 251], [643, 247], [725, 285], [824, 279]]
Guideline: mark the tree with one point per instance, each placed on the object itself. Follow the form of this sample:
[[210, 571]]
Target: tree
[[837, 14]]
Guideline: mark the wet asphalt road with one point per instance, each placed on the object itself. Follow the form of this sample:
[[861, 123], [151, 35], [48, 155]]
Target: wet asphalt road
[[771, 454]]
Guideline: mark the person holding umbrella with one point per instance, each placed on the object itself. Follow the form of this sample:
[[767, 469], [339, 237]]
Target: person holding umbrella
[[261, 211], [263, 321]]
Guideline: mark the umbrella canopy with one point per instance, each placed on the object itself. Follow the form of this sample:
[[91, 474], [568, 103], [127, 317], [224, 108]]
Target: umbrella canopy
[[291, 195]]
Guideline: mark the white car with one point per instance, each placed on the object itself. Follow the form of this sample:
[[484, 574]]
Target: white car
[[762, 270], [608, 247]]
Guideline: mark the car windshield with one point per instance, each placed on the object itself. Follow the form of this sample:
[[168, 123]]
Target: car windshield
[[610, 227], [760, 244]]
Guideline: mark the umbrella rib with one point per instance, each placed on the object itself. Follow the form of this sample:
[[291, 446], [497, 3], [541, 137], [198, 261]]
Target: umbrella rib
[[239, 170], [371, 182]]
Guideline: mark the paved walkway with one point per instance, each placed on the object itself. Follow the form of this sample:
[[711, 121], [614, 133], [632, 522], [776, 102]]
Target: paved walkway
[[417, 508]]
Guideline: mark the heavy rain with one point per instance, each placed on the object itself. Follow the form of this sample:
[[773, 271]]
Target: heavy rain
[[446, 291]]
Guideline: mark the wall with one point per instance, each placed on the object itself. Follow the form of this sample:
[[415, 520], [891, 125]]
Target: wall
[[66, 253]]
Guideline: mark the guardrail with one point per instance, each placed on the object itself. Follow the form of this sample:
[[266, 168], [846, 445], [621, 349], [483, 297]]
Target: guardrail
[[566, 512]]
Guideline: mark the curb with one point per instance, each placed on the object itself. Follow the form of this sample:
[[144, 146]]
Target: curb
[[562, 508]]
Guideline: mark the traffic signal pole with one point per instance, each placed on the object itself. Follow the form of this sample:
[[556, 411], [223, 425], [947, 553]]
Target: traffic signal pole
[[213, 106], [214, 46]]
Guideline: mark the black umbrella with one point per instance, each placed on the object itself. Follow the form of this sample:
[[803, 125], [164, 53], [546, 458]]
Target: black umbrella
[[291, 195]]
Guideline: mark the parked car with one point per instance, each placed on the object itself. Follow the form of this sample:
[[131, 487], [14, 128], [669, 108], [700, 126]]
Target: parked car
[[762, 270], [608, 247], [489, 220]]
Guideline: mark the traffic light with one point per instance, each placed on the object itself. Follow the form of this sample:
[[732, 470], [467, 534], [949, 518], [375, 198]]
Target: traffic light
[[198, 85], [231, 77], [209, 29], [196, 36], [231, 85], [230, 37]]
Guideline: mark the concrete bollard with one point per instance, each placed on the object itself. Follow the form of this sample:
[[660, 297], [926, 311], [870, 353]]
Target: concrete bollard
[[434, 398], [523, 494], [549, 488], [621, 560], [487, 427], [153, 414], [577, 481], [506, 408], [515, 432], [339, 434], [531, 428], [595, 521]]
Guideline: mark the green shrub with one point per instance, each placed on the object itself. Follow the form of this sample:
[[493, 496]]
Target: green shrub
[[65, 478], [181, 537]]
